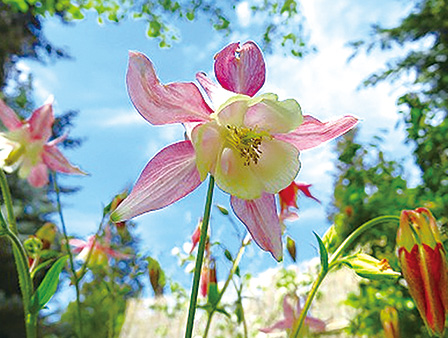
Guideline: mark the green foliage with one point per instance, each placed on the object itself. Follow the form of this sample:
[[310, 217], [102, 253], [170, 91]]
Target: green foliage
[[322, 252], [159, 17], [49, 284], [424, 107], [423, 35]]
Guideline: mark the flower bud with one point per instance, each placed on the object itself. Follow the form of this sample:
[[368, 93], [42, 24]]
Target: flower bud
[[291, 247], [369, 267], [156, 276], [389, 321], [33, 246], [424, 266]]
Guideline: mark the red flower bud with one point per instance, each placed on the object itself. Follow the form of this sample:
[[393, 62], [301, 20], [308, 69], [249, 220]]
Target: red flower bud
[[424, 266], [389, 320]]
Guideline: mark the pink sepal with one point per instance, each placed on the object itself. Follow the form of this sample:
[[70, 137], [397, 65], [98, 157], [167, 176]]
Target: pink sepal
[[241, 69], [40, 122], [217, 94], [9, 117], [38, 176], [163, 104], [313, 132], [261, 219], [54, 159], [169, 176]]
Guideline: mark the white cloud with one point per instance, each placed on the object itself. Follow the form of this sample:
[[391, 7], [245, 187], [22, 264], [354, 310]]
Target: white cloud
[[120, 118], [244, 14]]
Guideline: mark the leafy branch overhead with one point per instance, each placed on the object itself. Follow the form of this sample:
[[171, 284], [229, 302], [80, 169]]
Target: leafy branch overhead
[[160, 14]]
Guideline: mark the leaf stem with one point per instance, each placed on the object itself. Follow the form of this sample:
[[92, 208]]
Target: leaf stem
[[70, 255], [199, 259], [334, 262]]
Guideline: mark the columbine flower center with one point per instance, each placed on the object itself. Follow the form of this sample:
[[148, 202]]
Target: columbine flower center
[[247, 142]]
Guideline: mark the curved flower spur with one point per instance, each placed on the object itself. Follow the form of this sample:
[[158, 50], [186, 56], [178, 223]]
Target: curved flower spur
[[250, 144]]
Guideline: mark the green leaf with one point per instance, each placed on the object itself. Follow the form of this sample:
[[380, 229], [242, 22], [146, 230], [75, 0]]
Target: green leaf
[[323, 253], [228, 255], [49, 285], [223, 311]]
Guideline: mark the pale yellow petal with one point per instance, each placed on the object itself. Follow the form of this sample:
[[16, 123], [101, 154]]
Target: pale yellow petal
[[278, 165], [207, 142], [234, 177]]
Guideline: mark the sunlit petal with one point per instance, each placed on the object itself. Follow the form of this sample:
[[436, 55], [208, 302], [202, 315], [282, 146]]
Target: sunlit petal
[[207, 140], [313, 132], [169, 176], [41, 122], [236, 178], [217, 94], [162, 104], [278, 165], [261, 220], [54, 159], [38, 176], [267, 113], [9, 117], [240, 69]]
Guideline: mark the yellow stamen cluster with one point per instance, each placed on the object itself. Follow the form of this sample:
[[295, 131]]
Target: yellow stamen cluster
[[247, 142]]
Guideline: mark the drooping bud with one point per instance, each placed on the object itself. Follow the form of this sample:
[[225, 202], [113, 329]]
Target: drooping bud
[[47, 234], [196, 236], [369, 267], [291, 247], [424, 266], [389, 321], [156, 276]]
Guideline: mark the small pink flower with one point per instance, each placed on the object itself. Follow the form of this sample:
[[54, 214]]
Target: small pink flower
[[250, 144], [100, 253], [292, 315], [288, 199], [26, 146]]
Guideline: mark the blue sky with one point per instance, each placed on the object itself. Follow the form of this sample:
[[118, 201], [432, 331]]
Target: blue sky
[[118, 142]]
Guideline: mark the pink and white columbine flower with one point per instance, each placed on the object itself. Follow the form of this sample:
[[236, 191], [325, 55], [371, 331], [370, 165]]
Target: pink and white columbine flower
[[291, 316], [250, 144], [25, 145]]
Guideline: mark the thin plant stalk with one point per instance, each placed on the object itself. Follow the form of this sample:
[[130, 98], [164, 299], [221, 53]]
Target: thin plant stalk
[[90, 252], [8, 202], [70, 255], [236, 262], [199, 259], [334, 262]]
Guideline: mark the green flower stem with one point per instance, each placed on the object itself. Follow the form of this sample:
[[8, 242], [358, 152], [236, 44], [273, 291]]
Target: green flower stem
[[20, 258], [199, 259], [89, 254], [70, 255], [358, 231], [236, 262], [25, 282], [8, 202], [334, 262]]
